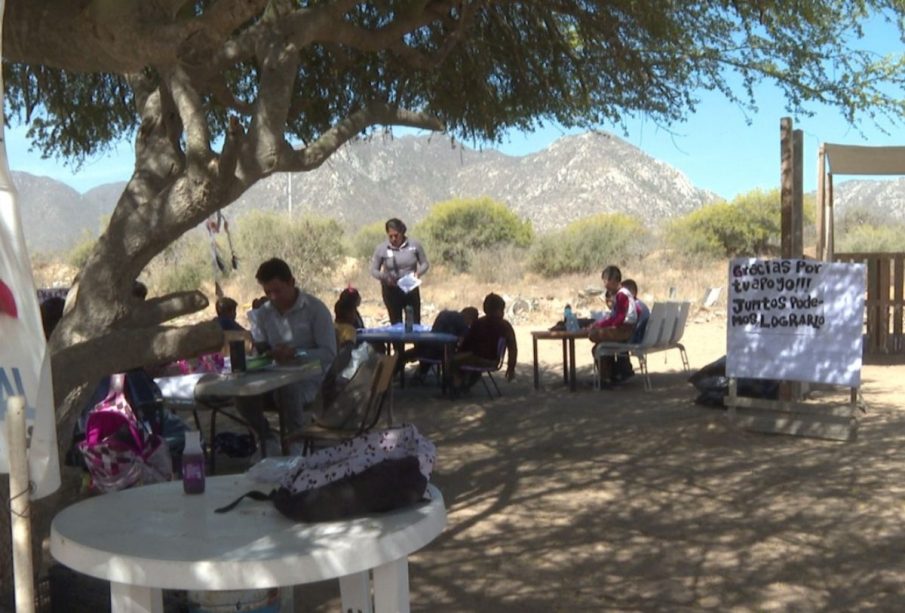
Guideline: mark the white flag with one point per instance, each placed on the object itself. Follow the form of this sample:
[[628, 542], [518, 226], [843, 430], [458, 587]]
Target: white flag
[[24, 359]]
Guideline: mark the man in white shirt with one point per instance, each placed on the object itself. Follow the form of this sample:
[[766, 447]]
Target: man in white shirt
[[290, 323]]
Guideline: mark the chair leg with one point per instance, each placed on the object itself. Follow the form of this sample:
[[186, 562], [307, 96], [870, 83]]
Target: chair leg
[[495, 386], [647, 384], [486, 388], [214, 411], [685, 364]]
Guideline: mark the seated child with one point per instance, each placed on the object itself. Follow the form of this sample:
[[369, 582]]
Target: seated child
[[619, 324], [446, 322], [480, 346]]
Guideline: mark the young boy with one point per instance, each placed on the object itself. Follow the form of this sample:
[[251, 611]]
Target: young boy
[[480, 346], [623, 370]]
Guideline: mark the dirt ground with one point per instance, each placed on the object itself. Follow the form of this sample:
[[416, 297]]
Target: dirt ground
[[628, 500]]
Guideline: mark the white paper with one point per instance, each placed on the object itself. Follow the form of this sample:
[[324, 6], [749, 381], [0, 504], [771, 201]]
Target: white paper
[[408, 282]]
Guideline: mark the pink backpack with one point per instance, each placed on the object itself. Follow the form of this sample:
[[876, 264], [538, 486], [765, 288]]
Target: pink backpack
[[118, 452]]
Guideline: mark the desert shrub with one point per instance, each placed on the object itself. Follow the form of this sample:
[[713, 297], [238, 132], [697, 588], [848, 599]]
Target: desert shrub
[[310, 244], [182, 266], [364, 242], [852, 218], [499, 265], [78, 254], [870, 238], [749, 225], [589, 244], [454, 230]]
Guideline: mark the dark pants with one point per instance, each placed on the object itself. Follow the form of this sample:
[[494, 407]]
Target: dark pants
[[396, 300]]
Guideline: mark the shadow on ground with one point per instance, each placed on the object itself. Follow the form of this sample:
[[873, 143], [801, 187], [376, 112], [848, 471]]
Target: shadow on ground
[[633, 500]]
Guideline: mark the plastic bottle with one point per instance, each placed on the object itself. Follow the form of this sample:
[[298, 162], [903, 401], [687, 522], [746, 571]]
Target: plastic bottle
[[569, 319], [193, 464], [409, 318]]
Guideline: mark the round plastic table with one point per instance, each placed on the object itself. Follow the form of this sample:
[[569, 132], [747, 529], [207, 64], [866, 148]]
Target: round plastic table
[[156, 537]]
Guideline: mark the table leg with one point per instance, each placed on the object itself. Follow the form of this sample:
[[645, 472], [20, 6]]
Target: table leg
[[126, 598], [536, 372], [445, 370], [391, 587], [565, 361], [572, 364], [287, 599], [355, 593]]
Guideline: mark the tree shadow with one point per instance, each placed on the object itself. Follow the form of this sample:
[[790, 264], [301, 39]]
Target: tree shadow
[[626, 499]]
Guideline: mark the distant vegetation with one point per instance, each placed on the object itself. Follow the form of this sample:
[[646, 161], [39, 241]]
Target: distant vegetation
[[864, 229], [488, 240], [589, 244], [455, 230], [749, 225]]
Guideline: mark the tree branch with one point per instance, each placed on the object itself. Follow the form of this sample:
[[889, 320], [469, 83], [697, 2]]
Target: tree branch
[[155, 311], [266, 143], [317, 152], [122, 350], [191, 111]]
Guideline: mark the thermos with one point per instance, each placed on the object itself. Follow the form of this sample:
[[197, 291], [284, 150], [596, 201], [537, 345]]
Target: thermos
[[237, 356]]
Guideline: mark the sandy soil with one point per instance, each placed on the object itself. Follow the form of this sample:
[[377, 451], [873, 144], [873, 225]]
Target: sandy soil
[[643, 501]]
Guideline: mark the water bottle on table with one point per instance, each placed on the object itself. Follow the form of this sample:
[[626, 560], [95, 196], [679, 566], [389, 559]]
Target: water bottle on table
[[569, 319], [409, 318], [193, 464]]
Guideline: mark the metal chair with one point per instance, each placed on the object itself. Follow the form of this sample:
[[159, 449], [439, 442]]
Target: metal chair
[[489, 370], [314, 435]]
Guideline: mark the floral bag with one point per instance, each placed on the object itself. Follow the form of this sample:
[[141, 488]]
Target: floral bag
[[119, 453], [371, 473]]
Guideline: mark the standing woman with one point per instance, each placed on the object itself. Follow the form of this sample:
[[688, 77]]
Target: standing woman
[[393, 259]]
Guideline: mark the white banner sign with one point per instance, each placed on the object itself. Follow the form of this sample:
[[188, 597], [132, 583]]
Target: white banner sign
[[24, 360], [799, 320]]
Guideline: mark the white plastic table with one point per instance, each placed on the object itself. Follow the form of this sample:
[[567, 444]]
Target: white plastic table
[[156, 537], [207, 390]]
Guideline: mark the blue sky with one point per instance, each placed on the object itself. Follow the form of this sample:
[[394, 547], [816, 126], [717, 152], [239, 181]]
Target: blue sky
[[719, 147]]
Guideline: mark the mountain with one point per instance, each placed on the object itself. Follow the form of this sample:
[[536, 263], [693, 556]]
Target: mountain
[[55, 216], [884, 198], [575, 177], [373, 179]]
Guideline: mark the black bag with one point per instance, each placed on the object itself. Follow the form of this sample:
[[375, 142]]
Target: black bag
[[388, 485], [371, 473]]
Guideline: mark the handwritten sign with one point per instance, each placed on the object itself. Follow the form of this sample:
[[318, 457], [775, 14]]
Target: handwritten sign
[[799, 320]]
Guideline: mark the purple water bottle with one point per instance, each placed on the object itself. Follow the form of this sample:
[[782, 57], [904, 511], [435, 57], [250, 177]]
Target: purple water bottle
[[193, 464]]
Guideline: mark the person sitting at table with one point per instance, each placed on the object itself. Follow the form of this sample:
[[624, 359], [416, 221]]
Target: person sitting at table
[[623, 369], [346, 317], [481, 344], [447, 321], [292, 321], [226, 314], [619, 324]]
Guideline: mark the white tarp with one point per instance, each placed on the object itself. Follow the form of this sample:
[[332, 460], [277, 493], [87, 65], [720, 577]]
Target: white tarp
[[797, 320], [24, 360], [860, 160]]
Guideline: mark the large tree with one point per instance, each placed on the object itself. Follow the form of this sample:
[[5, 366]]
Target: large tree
[[222, 93]]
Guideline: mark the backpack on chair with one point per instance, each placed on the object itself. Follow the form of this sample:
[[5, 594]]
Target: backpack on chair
[[118, 451]]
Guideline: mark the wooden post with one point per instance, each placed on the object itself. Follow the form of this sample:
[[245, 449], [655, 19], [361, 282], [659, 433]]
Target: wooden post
[[786, 184], [797, 221], [820, 206], [20, 505], [830, 227]]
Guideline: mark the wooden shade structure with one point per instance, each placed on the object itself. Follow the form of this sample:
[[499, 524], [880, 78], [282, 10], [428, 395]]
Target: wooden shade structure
[[885, 302], [847, 160]]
